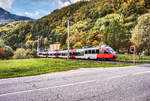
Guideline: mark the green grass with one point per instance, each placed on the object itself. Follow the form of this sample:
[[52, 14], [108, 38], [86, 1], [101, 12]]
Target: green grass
[[28, 67], [129, 58]]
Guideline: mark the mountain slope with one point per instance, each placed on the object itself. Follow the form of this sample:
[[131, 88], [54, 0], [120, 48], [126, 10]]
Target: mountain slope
[[7, 17], [85, 30]]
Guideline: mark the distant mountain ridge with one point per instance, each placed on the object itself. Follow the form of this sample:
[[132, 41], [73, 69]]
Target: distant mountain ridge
[[6, 17]]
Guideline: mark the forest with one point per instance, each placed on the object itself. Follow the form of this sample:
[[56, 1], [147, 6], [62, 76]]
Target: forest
[[117, 23]]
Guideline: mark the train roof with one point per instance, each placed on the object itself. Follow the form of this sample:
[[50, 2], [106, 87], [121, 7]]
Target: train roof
[[81, 49]]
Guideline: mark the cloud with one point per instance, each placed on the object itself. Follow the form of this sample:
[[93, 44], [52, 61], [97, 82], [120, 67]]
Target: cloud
[[74, 1], [6, 3], [63, 4], [32, 15], [67, 2]]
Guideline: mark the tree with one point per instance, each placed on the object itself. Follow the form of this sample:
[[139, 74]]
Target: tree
[[28, 44], [20, 53], [46, 43], [2, 53], [115, 34], [6, 52], [141, 33], [1, 43]]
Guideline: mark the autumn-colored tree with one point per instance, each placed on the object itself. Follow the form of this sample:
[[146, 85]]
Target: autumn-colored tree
[[6, 52], [115, 34], [20, 53], [29, 44], [1, 43], [141, 33]]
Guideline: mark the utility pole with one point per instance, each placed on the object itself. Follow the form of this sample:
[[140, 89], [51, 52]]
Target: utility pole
[[68, 40], [38, 45]]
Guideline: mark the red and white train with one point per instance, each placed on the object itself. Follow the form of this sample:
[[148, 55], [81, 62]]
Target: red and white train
[[99, 52]]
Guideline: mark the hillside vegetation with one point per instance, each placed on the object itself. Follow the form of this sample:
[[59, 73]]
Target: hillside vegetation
[[10, 26], [95, 22]]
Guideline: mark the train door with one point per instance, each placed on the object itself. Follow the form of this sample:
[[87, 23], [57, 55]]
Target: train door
[[57, 54]]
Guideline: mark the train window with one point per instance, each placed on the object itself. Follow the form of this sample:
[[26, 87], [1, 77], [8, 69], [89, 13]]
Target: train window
[[40, 53], [74, 54], [89, 51], [86, 52], [93, 51], [45, 54], [106, 52], [63, 54], [71, 54], [77, 54], [66, 54], [57, 53], [97, 51], [101, 51]]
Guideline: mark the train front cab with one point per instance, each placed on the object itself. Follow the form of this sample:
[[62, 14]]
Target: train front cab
[[106, 54]]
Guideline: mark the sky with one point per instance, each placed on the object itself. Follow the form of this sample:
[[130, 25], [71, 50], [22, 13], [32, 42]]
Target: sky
[[34, 8]]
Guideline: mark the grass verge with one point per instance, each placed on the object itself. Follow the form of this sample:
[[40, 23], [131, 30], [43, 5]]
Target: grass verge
[[122, 57], [30, 67]]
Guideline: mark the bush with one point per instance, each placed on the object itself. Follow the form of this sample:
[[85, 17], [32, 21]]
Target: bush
[[20, 53], [28, 52], [34, 53], [8, 52], [2, 53]]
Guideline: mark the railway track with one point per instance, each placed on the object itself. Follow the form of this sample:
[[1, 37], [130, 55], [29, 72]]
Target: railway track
[[114, 61], [110, 61]]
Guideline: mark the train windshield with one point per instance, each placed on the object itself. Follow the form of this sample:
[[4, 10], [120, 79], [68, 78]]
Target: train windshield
[[111, 50]]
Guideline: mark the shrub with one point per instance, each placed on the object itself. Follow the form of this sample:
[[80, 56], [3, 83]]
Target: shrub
[[34, 53], [1, 43], [27, 52], [2, 53], [20, 53], [8, 52]]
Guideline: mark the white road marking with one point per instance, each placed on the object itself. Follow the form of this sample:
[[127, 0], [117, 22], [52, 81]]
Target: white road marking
[[145, 72], [48, 88], [72, 84]]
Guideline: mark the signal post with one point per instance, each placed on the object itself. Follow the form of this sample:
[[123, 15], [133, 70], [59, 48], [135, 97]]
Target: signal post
[[132, 50]]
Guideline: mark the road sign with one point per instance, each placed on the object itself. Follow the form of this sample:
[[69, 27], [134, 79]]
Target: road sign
[[132, 49]]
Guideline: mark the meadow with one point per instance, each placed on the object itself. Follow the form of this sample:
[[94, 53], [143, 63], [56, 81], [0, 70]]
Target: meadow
[[30, 67]]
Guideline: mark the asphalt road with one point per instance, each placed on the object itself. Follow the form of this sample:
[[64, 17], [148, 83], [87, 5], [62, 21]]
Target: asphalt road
[[87, 84]]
